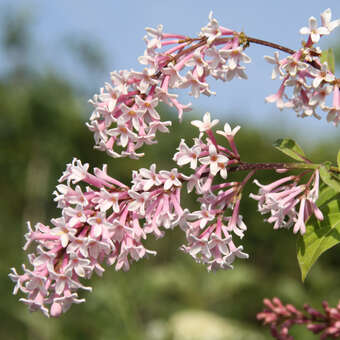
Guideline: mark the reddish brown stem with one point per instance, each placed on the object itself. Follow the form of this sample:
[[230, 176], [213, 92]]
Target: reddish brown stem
[[270, 44]]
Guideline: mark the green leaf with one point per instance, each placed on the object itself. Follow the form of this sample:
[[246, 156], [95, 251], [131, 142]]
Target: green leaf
[[326, 194], [290, 148], [320, 235], [329, 178], [328, 57], [338, 159]]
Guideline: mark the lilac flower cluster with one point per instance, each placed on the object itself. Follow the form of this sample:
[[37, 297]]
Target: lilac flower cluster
[[209, 232], [104, 221], [282, 197], [107, 222], [310, 80], [281, 318], [125, 116]]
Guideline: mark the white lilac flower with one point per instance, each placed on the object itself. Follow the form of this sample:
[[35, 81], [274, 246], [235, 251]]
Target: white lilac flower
[[206, 124], [148, 178], [326, 17], [214, 160], [149, 105], [80, 265], [322, 75], [156, 35], [75, 216], [106, 200], [62, 230], [235, 56], [236, 72], [146, 79], [215, 58], [228, 132], [175, 79], [191, 80], [138, 201], [277, 64], [75, 172], [98, 223], [313, 29], [293, 66], [212, 30], [198, 63], [123, 132], [132, 114], [319, 96], [170, 178], [187, 155]]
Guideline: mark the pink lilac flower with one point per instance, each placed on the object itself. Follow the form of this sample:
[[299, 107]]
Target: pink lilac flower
[[322, 75], [187, 155], [277, 65], [281, 199], [313, 30], [311, 82], [209, 239], [206, 124], [326, 17], [125, 116], [228, 131], [213, 245], [215, 161], [104, 223], [212, 30]]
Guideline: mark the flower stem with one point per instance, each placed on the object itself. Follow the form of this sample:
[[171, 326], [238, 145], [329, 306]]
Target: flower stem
[[270, 44], [241, 166]]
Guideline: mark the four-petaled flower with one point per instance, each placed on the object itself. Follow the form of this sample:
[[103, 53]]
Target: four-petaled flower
[[206, 124], [216, 161], [313, 29]]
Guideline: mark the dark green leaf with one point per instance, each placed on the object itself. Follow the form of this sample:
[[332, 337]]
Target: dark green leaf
[[290, 148], [338, 159]]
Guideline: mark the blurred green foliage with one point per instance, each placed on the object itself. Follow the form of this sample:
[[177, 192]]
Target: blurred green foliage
[[42, 127]]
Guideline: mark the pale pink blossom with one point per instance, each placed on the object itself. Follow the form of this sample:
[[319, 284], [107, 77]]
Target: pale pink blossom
[[228, 132], [187, 155], [277, 64], [313, 30], [215, 161], [326, 17], [212, 30], [206, 124]]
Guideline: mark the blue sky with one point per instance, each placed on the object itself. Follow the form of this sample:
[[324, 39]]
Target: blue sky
[[118, 27]]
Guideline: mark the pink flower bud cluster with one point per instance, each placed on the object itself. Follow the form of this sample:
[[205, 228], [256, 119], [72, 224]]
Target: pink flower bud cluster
[[281, 199], [125, 116], [309, 81], [281, 318]]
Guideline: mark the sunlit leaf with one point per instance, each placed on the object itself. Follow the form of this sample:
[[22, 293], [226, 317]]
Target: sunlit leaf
[[290, 148], [320, 235], [326, 194]]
